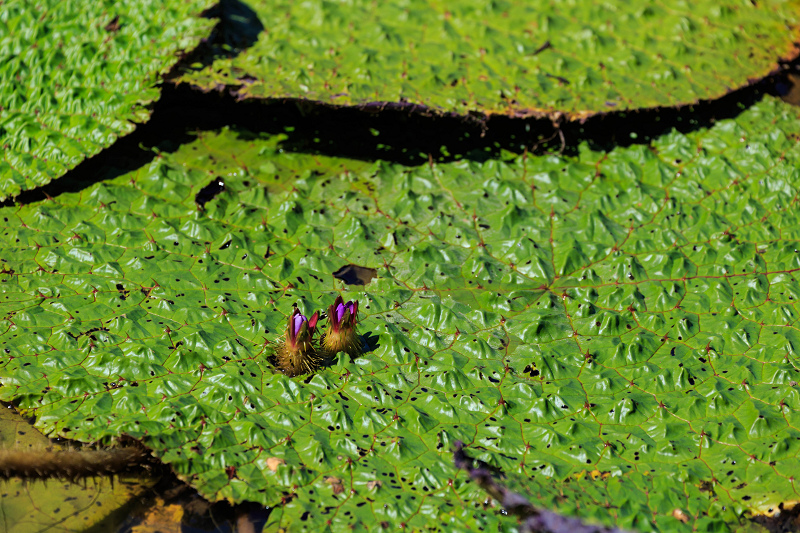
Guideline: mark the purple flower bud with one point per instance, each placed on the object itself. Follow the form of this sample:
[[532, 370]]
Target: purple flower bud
[[342, 335], [341, 308], [298, 323], [297, 354]]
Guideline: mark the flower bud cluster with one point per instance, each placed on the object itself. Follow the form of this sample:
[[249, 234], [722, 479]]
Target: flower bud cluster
[[301, 353]]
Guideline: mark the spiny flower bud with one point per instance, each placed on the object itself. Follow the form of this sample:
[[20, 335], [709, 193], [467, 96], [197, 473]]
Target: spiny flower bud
[[341, 335], [298, 352]]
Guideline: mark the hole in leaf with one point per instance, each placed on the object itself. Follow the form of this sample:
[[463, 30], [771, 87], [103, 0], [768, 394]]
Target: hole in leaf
[[355, 275], [207, 193]]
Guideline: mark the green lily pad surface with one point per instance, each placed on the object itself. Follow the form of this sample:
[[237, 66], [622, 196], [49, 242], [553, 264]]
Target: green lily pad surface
[[511, 57], [618, 327], [74, 76]]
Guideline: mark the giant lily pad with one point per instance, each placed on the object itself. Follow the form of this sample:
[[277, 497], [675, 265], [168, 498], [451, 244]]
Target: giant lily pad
[[74, 76], [509, 57], [619, 326]]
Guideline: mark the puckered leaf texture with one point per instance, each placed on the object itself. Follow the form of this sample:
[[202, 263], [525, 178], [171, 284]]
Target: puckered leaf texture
[[511, 57], [619, 328], [75, 75]]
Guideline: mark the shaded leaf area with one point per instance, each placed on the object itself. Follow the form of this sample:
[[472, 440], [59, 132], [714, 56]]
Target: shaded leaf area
[[509, 57], [392, 135], [619, 327], [19, 434], [74, 76], [54, 505], [60, 506]]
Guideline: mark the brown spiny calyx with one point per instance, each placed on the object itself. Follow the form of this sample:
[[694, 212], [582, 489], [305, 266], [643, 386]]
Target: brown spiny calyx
[[298, 353], [341, 335]]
